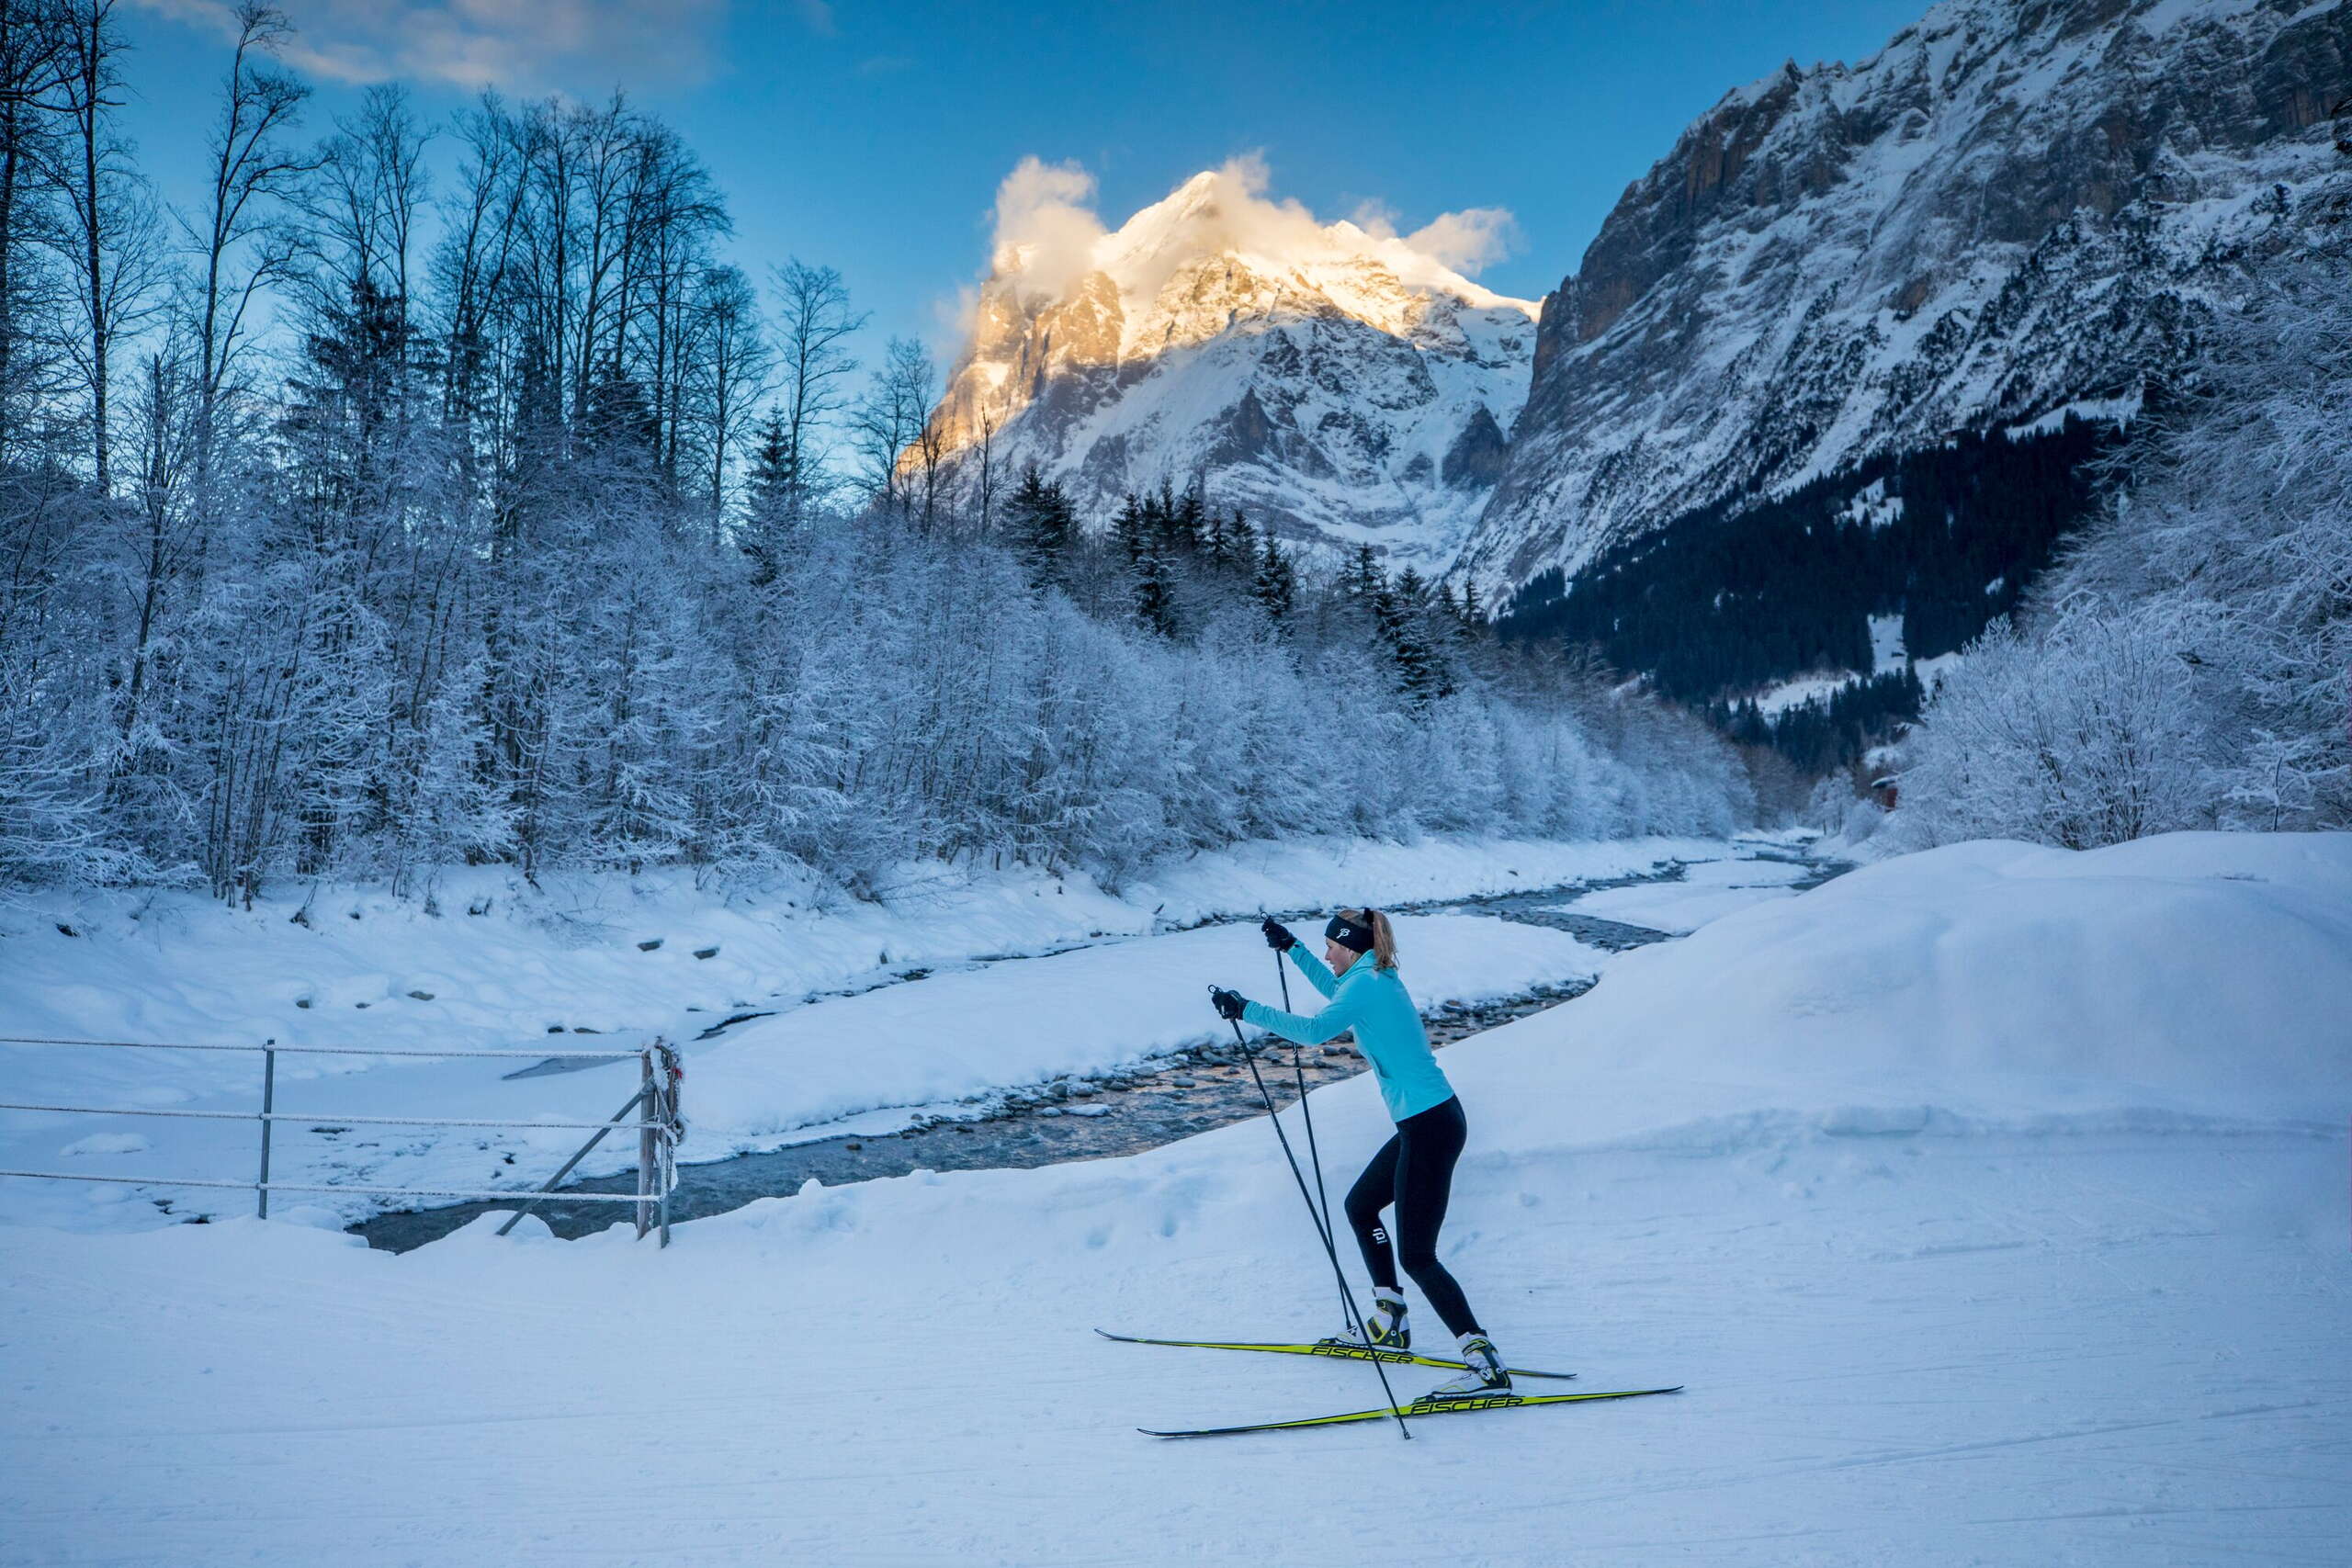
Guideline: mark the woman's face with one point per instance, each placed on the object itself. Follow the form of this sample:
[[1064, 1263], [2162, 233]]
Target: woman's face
[[1338, 957]]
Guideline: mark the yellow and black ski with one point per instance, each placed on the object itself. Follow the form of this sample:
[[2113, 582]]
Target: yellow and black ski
[[1338, 1349], [1428, 1405]]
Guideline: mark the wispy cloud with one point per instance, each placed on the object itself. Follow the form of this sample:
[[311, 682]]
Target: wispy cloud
[[1049, 234], [528, 44], [1045, 226]]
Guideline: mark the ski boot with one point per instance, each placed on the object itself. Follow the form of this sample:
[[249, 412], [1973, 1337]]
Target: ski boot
[[1487, 1373], [1387, 1325]]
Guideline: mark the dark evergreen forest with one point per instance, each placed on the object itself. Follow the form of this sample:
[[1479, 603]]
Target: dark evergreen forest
[[1733, 597]]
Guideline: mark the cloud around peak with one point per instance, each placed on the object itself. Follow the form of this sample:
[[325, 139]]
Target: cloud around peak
[[1049, 234], [1045, 226]]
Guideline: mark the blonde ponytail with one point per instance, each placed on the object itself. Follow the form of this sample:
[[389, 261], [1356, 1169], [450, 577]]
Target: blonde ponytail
[[1384, 936]]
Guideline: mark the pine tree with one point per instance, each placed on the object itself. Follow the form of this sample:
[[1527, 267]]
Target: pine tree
[[1131, 530], [1223, 539], [1422, 671], [1186, 522], [1140, 532], [1039, 527], [1274, 583], [767, 502], [1155, 589]]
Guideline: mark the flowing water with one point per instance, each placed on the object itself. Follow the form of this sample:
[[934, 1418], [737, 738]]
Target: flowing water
[[1120, 1111]]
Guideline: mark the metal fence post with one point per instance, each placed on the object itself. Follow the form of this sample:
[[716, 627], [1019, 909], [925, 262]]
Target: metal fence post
[[670, 1127], [268, 1104], [646, 1178]]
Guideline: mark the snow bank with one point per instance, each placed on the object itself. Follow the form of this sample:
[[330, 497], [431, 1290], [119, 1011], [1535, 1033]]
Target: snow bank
[[2200, 975], [1706, 893]]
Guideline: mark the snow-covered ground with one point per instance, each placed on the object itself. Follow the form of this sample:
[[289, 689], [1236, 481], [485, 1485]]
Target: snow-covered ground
[[1990, 1202], [1705, 892], [540, 971]]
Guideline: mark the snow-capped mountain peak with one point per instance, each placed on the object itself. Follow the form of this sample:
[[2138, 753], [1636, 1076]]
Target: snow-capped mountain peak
[[1338, 380]]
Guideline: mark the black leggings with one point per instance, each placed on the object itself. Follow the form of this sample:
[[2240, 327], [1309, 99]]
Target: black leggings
[[1414, 1170]]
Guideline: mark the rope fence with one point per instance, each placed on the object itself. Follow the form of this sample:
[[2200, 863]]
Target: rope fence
[[326, 1187], [314, 1119], [318, 1050], [659, 1132]]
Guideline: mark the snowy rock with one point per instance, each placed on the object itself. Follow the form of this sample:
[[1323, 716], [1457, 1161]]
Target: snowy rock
[[2012, 210]]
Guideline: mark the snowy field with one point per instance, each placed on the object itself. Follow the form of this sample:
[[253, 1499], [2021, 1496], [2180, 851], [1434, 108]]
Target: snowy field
[[1991, 1203], [1705, 893], [570, 969]]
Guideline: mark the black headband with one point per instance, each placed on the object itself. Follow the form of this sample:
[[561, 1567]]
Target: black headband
[[1348, 934]]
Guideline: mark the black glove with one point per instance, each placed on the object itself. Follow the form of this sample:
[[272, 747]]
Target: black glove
[[1229, 1004], [1278, 935]]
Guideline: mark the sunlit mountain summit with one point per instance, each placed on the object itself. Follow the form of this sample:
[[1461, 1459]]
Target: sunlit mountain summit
[[1340, 382]]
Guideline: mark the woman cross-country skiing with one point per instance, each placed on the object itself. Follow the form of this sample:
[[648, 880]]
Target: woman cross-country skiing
[[1414, 1170]]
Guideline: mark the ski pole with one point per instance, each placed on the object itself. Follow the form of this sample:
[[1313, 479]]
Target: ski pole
[[1298, 1070], [1321, 1230], [1323, 1211]]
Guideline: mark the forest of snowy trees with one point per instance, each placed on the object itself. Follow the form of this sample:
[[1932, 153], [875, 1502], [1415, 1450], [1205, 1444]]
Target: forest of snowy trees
[[431, 493], [2188, 661]]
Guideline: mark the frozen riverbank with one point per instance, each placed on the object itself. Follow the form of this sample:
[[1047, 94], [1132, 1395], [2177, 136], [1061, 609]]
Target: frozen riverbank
[[853, 1020], [1143, 1104]]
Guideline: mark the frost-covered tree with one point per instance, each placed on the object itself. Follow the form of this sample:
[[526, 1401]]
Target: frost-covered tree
[[2191, 661], [528, 548], [1040, 528]]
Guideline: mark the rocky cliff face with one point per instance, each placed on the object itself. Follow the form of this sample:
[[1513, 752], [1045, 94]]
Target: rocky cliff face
[[1340, 385], [2016, 207]]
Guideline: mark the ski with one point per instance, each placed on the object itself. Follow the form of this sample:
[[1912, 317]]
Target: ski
[[1428, 1405], [1338, 1349]]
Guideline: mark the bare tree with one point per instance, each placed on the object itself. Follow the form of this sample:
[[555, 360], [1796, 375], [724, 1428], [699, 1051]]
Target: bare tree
[[249, 170], [111, 233], [814, 323], [728, 359], [34, 40], [891, 419], [990, 478], [364, 203], [928, 451]]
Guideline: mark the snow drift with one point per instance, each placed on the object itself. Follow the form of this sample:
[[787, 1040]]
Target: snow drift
[[2196, 978]]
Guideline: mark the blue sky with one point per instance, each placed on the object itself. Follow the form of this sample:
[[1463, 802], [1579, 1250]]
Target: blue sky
[[873, 137]]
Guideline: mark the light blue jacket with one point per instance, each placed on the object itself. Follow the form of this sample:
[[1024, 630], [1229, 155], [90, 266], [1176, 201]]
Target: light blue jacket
[[1388, 1029]]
